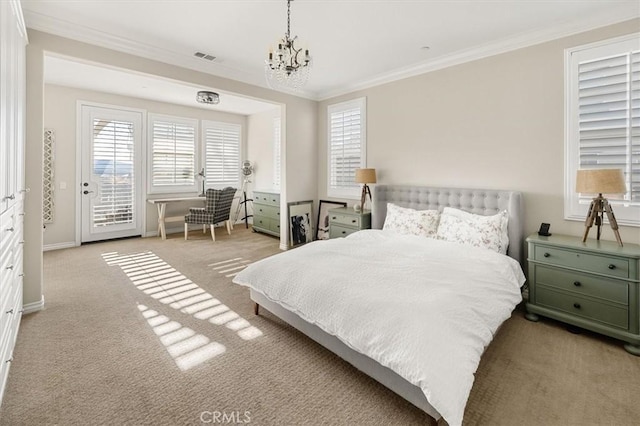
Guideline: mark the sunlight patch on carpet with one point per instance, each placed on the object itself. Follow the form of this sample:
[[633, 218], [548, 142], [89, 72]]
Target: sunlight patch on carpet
[[160, 281], [231, 267], [187, 348]]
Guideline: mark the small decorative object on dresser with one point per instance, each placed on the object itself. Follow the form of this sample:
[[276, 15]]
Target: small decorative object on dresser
[[344, 221], [594, 285], [322, 226]]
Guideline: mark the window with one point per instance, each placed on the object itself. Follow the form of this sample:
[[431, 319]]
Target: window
[[276, 152], [603, 121], [346, 147], [221, 154], [173, 154]]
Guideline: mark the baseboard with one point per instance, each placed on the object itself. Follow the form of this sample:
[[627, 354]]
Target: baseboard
[[30, 308], [58, 246]]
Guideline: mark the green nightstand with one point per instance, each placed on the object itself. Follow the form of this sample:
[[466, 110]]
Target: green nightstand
[[594, 285], [344, 221]]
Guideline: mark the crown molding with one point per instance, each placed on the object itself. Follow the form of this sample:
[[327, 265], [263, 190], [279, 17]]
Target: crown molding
[[127, 45], [502, 46], [17, 10], [62, 28]]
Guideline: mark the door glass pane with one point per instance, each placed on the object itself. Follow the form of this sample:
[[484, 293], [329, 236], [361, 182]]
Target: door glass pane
[[113, 157]]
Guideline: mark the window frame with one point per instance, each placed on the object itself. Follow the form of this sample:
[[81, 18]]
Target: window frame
[[205, 124], [355, 191], [177, 188], [574, 207]]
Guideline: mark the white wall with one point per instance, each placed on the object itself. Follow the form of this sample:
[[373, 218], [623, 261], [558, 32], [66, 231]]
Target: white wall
[[492, 123], [260, 149]]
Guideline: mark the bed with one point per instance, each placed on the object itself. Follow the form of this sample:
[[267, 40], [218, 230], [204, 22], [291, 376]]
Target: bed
[[364, 297]]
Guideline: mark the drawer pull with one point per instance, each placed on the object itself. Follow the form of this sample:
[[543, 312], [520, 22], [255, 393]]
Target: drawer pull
[[612, 266], [9, 197], [333, 217], [547, 255], [576, 305], [577, 283], [10, 311], [10, 267], [9, 360], [353, 221], [344, 232], [10, 229]]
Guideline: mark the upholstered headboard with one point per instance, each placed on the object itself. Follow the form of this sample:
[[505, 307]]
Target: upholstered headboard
[[478, 201]]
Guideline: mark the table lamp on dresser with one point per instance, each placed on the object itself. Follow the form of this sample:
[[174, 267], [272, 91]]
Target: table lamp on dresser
[[600, 181], [365, 176]]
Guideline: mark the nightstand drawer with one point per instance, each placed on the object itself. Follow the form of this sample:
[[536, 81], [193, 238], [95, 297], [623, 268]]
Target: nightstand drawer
[[583, 284], [612, 266], [345, 219], [340, 231], [582, 307], [266, 211]]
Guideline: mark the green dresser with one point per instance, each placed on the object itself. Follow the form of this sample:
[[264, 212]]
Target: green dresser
[[344, 221], [266, 212], [594, 285]]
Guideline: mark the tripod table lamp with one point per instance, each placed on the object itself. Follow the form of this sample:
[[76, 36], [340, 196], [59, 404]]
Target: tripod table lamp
[[600, 181], [365, 176]]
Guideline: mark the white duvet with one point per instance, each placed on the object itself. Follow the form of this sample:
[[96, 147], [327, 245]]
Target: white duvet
[[422, 307]]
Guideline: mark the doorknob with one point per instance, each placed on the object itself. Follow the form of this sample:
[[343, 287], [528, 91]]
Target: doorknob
[[85, 192]]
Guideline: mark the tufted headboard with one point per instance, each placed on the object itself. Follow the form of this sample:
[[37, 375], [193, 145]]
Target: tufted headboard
[[478, 201]]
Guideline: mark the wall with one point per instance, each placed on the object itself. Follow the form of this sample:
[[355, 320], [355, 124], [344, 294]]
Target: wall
[[260, 148], [60, 114], [492, 123], [300, 116]]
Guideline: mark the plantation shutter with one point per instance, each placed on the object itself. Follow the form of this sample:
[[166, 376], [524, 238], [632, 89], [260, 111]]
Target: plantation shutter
[[173, 153], [346, 146], [609, 117], [222, 154], [113, 156]]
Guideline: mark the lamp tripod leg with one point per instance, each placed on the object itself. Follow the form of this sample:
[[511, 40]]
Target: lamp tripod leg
[[589, 221], [612, 221]]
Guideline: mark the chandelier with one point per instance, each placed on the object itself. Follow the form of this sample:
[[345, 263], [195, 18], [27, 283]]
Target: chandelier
[[287, 67]]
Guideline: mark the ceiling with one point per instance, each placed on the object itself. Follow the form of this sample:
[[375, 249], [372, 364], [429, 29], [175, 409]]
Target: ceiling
[[354, 43], [66, 72]]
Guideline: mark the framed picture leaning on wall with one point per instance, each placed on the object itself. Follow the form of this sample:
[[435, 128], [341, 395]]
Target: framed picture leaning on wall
[[322, 226], [300, 218]]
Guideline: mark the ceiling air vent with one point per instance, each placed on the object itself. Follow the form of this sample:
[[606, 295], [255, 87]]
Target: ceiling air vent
[[205, 56]]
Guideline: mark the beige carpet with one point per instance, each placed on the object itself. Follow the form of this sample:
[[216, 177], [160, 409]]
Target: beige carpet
[[106, 350]]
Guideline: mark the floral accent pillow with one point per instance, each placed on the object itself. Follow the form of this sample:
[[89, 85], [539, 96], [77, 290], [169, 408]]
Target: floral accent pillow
[[476, 230], [407, 221]]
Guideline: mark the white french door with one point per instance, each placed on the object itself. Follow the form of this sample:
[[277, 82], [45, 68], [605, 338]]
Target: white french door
[[111, 178]]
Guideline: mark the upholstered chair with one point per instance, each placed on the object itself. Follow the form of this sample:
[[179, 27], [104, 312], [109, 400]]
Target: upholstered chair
[[217, 209]]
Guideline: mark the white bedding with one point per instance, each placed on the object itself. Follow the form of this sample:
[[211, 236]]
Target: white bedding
[[422, 307]]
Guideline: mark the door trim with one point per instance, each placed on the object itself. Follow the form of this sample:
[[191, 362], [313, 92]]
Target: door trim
[[77, 187]]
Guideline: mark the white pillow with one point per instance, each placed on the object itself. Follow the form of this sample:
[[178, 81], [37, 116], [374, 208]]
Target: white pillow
[[411, 222], [476, 230]]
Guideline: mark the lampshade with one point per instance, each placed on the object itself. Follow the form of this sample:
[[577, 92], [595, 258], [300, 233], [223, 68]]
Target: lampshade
[[600, 181], [365, 175]]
